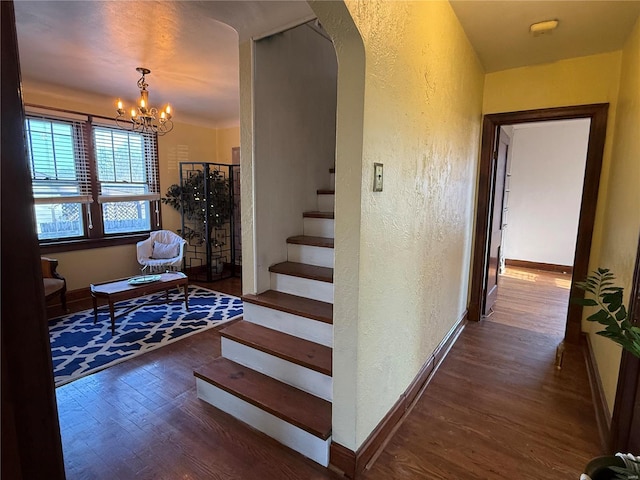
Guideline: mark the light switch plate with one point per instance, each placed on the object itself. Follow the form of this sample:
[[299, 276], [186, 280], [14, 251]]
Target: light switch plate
[[377, 177]]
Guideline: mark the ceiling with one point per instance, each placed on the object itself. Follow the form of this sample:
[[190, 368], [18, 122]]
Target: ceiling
[[499, 30], [191, 47]]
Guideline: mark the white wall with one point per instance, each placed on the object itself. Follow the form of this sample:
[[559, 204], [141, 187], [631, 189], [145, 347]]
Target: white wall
[[547, 172], [294, 139]]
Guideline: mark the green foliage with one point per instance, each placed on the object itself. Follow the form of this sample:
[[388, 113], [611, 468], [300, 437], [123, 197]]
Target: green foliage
[[629, 472], [189, 200], [611, 313]]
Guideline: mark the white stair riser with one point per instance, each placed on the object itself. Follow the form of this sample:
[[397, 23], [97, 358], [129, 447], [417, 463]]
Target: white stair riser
[[293, 437], [320, 256], [318, 227], [326, 203], [287, 372], [302, 327], [302, 287]]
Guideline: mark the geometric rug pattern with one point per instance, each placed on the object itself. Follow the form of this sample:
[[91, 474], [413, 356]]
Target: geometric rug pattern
[[79, 348]]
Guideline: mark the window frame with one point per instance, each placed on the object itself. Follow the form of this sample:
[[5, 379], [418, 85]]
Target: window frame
[[95, 237]]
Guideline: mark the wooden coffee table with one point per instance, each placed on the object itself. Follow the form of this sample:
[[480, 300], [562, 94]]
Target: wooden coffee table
[[119, 290]]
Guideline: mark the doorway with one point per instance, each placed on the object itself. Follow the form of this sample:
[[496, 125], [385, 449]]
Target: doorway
[[487, 174], [537, 219]]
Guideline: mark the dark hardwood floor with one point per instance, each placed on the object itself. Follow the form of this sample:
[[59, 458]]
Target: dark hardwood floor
[[496, 409]]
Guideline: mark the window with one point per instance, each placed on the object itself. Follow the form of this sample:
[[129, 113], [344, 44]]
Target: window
[[123, 174], [113, 194], [59, 177]]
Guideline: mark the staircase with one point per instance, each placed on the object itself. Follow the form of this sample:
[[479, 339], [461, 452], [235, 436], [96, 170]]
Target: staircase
[[275, 372]]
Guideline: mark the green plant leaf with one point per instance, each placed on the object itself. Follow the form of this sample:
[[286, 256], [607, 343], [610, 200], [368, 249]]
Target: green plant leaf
[[613, 300], [601, 316], [585, 302]]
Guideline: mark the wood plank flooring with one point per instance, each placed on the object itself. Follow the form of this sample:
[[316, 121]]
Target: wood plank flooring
[[496, 409]]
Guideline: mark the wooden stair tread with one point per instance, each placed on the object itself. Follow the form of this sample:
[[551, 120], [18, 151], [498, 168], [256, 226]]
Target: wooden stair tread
[[326, 192], [287, 347], [306, 411], [285, 302], [312, 272], [324, 242], [328, 215]]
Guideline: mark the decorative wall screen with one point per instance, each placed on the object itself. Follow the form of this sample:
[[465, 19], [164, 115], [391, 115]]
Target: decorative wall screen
[[208, 220]]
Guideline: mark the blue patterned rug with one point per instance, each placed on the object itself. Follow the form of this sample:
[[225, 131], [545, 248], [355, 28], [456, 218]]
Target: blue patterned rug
[[79, 347]]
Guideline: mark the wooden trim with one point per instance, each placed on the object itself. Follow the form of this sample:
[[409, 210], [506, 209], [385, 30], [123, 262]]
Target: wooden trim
[[547, 267], [31, 446], [603, 419], [323, 242], [326, 215], [597, 133], [626, 411], [481, 242], [351, 463], [342, 460], [89, 243]]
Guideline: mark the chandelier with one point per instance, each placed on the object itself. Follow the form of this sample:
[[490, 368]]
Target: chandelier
[[144, 118]]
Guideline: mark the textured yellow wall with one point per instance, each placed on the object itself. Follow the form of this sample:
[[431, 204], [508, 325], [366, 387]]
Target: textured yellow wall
[[227, 138], [190, 143], [576, 81], [422, 113], [185, 143], [337, 20], [621, 224], [585, 80], [247, 187]]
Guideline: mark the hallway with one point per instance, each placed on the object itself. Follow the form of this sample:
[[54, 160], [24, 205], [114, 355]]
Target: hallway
[[496, 409]]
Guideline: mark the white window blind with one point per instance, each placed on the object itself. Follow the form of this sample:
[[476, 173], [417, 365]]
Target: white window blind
[[76, 159], [127, 170], [60, 180], [58, 160]]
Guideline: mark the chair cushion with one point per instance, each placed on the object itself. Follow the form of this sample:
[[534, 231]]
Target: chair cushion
[[52, 285], [164, 250]]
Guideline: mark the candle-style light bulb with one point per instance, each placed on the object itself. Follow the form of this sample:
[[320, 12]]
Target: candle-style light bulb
[[142, 104], [119, 104], [168, 109], [133, 113], [162, 115]]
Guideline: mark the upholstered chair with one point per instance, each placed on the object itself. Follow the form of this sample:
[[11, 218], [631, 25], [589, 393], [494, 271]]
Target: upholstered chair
[[54, 283], [162, 251]]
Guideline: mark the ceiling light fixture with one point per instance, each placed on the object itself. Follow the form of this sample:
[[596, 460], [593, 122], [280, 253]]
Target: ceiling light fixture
[[542, 28], [144, 118]]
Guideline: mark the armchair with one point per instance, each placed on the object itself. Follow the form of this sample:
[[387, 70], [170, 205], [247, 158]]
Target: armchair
[[54, 283], [163, 250]]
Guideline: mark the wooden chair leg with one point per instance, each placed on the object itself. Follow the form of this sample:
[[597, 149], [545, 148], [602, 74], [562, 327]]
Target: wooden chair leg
[[63, 299]]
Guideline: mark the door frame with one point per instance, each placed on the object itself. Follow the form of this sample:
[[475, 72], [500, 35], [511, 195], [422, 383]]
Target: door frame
[[626, 412], [597, 132]]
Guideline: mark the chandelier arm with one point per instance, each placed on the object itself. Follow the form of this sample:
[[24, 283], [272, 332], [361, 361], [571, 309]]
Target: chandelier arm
[[147, 118], [123, 123]]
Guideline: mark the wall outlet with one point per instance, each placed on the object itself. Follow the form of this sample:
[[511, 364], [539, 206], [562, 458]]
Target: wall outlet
[[377, 177]]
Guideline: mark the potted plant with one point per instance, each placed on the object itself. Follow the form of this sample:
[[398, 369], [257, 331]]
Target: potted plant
[[603, 294], [189, 199]]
